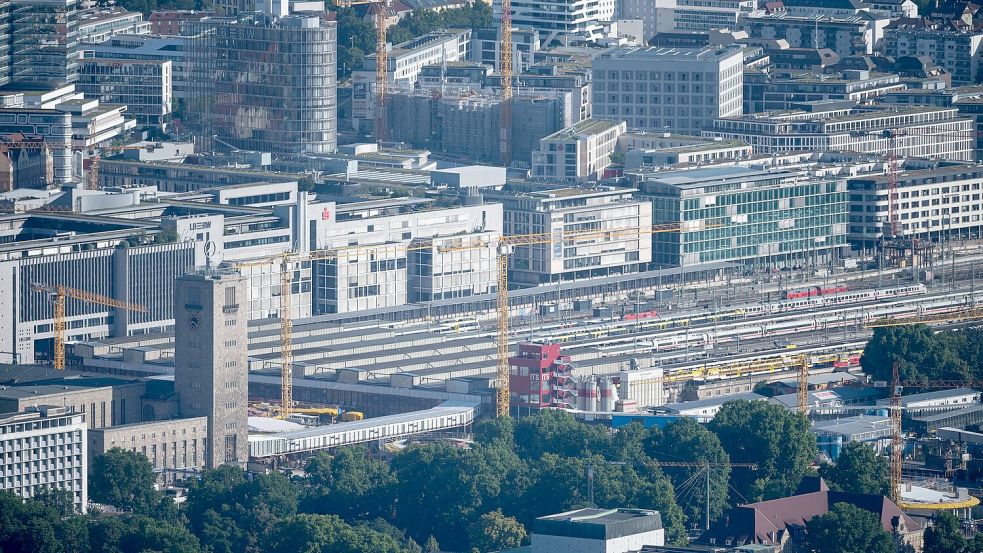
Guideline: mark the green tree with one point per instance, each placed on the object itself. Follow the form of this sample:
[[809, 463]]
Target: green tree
[[431, 546], [349, 485], [497, 430], [776, 439], [124, 479], [687, 440], [29, 525], [858, 469], [494, 531], [147, 534], [307, 533], [945, 536], [847, 529], [921, 354], [554, 431]]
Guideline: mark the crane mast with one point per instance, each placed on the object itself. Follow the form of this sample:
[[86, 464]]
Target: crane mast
[[506, 74]]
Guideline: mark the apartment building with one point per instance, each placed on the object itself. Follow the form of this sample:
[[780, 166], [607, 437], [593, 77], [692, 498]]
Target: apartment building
[[578, 152], [406, 61], [956, 51], [745, 215], [782, 90], [919, 131], [44, 448], [665, 16], [99, 25], [564, 212], [680, 89]]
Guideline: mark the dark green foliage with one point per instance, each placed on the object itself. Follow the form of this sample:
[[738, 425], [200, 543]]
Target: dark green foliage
[[687, 440], [124, 479], [776, 439], [847, 529], [306, 533], [36, 527], [859, 469], [945, 536], [554, 431], [348, 485], [924, 355], [494, 531], [477, 15]]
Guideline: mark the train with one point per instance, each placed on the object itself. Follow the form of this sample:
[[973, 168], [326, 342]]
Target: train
[[814, 291]]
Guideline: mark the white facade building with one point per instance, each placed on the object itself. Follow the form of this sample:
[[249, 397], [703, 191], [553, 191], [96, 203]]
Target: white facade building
[[44, 448], [561, 212], [580, 152], [682, 89], [598, 531], [921, 131], [553, 18], [405, 61], [392, 252]]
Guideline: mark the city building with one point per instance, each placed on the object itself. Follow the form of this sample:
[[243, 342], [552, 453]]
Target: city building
[[647, 149], [598, 531], [175, 447], [936, 202], [832, 435], [153, 48], [571, 74], [210, 362], [174, 22], [403, 251], [44, 448], [40, 42], [406, 61], [919, 131], [534, 374], [53, 126], [143, 86], [578, 152], [839, 9], [782, 90], [555, 19], [856, 35], [680, 89], [778, 522], [895, 9], [957, 51], [270, 82], [745, 215], [101, 24], [104, 401], [703, 410], [565, 212], [486, 48]]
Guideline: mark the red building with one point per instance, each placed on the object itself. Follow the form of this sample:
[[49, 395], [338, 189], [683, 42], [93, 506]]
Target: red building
[[539, 376]]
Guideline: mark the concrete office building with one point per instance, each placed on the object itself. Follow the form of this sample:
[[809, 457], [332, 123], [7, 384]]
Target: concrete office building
[[772, 90], [857, 35], [270, 82], [152, 48], [932, 203], [486, 48], [143, 86], [174, 447], [571, 75], [88, 253], [99, 25], [665, 16], [406, 61], [42, 449], [402, 253], [56, 129], [557, 18], [598, 531], [664, 149], [210, 363], [578, 152], [104, 401], [745, 215], [563, 211], [682, 89], [923, 131], [957, 51]]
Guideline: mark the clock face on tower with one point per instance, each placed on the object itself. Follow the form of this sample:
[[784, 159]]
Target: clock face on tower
[[194, 321]]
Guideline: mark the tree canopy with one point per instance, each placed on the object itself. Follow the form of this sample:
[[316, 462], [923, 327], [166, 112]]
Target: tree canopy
[[124, 479], [858, 469], [847, 529], [923, 355], [777, 440]]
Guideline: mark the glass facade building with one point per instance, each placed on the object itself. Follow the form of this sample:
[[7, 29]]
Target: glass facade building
[[746, 215], [42, 41], [270, 82]]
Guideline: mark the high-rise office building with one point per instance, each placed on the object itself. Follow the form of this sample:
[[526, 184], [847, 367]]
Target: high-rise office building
[[210, 364], [270, 82], [39, 42]]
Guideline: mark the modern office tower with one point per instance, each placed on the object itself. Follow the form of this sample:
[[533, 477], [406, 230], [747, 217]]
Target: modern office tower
[[42, 42], [44, 448], [578, 152], [680, 89], [143, 86], [269, 82], [210, 363], [554, 18]]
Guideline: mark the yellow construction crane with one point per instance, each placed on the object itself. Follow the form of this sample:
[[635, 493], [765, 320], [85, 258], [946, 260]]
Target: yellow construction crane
[[504, 247], [379, 7], [803, 390], [506, 83], [61, 293]]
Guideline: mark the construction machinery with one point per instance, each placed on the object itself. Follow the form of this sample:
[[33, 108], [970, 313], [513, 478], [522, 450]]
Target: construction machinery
[[504, 247], [61, 295], [803, 388], [379, 8], [506, 83]]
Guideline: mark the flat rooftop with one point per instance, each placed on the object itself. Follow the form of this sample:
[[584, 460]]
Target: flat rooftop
[[584, 129], [708, 53]]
